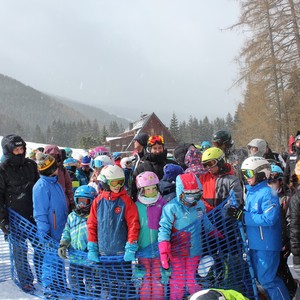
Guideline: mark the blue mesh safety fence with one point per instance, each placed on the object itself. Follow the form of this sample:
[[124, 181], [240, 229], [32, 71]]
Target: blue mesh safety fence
[[224, 263]]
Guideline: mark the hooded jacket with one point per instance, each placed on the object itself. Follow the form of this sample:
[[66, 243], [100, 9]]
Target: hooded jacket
[[112, 222], [262, 218], [17, 178], [177, 217], [49, 206]]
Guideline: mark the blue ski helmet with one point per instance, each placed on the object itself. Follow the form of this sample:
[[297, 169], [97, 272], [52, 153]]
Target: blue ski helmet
[[71, 162], [84, 191]]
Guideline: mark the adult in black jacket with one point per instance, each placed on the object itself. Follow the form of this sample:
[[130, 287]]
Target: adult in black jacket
[[294, 223], [17, 178], [154, 160]]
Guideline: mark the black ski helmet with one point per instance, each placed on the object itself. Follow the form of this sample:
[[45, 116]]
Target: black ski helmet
[[223, 137]]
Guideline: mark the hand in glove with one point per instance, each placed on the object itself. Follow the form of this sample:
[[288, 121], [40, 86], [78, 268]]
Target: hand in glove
[[165, 253], [93, 252], [130, 250], [4, 226], [235, 213], [62, 250]]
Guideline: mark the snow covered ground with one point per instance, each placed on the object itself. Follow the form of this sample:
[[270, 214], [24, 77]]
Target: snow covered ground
[[9, 290]]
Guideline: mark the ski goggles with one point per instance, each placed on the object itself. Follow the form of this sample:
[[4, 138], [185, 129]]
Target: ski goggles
[[190, 197], [155, 139], [83, 202], [210, 163], [116, 182], [248, 174]]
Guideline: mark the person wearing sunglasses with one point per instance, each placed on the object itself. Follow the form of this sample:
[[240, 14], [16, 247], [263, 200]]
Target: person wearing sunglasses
[[262, 218], [219, 179], [154, 160], [113, 230]]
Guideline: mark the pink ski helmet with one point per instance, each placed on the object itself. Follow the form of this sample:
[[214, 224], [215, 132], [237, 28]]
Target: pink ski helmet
[[146, 178]]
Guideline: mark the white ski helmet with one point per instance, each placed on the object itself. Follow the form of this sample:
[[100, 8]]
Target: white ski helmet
[[111, 172], [102, 160], [257, 165], [126, 161]]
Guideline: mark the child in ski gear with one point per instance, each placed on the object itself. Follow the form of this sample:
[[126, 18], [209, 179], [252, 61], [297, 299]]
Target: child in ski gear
[[261, 216], [149, 204], [167, 185], [74, 237], [71, 164], [113, 224], [85, 172], [127, 166], [193, 162], [183, 249], [219, 180], [98, 163]]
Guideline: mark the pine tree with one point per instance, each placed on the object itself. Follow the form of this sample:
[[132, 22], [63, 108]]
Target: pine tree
[[174, 127]]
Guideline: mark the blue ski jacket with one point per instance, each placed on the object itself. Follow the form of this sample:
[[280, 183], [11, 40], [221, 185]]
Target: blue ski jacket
[[49, 206], [262, 218]]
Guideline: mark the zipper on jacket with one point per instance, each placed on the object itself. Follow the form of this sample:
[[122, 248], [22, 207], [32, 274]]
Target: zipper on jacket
[[261, 233], [54, 220]]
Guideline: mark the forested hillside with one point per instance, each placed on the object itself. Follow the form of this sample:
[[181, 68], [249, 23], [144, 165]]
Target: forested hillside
[[40, 117]]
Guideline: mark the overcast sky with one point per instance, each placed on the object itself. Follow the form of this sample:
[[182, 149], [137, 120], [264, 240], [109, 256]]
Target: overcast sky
[[126, 57]]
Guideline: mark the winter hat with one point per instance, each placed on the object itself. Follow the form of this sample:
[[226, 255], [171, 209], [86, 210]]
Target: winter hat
[[171, 171], [10, 142], [47, 164], [297, 137], [85, 161], [54, 151], [142, 138]]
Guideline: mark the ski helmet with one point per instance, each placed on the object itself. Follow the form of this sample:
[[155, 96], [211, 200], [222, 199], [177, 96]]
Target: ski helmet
[[116, 155], [68, 152], [111, 172], [205, 145], [71, 162], [222, 137], [212, 156], [256, 165], [126, 162], [86, 192], [146, 178], [101, 161]]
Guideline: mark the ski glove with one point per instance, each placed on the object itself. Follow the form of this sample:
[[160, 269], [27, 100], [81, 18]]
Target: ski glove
[[62, 250], [164, 248], [93, 252], [4, 226], [130, 250], [235, 213]]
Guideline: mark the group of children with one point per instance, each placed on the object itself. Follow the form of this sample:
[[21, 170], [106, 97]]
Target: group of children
[[107, 222]]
